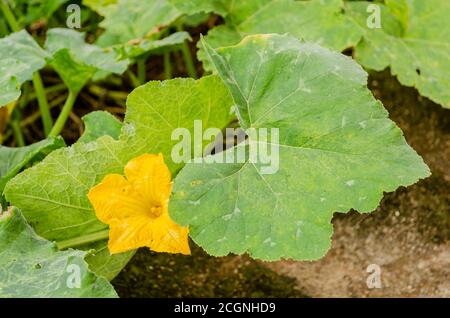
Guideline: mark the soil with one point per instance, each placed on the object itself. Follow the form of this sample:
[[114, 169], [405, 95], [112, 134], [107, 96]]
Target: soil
[[408, 236]]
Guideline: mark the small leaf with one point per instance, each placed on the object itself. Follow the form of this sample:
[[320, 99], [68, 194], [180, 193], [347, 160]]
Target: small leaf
[[135, 19], [36, 10], [100, 6], [150, 47], [76, 61], [196, 6], [20, 57], [337, 150], [33, 267], [98, 124], [13, 160]]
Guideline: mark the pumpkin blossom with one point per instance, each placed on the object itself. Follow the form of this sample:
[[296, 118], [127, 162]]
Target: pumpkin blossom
[[136, 208]]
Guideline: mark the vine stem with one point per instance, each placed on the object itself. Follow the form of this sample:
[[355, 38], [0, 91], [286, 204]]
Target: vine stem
[[65, 112], [167, 66], [81, 240], [134, 80], [190, 67], [188, 60], [47, 120], [141, 71], [37, 80], [9, 16], [15, 125]]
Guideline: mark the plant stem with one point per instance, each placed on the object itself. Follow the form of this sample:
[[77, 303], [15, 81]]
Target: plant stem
[[134, 80], [167, 66], [15, 125], [188, 60], [51, 89], [9, 16], [77, 241], [190, 67], [100, 91], [43, 103], [65, 112], [142, 71]]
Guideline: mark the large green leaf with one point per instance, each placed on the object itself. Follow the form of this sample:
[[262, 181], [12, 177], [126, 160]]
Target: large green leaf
[[319, 21], [33, 267], [53, 193], [12, 160], [20, 57], [417, 50], [77, 61], [338, 151]]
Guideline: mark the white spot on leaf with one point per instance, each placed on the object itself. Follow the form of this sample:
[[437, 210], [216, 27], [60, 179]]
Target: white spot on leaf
[[350, 183]]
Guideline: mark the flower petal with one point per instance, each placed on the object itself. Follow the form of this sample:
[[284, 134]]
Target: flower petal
[[129, 233], [160, 235], [169, 237], [115, 197], [151, 178]]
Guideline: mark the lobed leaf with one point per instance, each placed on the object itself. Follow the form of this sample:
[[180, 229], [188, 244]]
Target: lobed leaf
[[338, 150]]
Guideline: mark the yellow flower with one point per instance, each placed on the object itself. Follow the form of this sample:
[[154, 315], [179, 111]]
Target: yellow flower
[[136, 208]]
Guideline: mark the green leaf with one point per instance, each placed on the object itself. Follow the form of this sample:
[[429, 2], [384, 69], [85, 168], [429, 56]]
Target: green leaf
[[32, 11], [146, 47], [33, 267], [101, 261], [53, 193], [13, 160], [76, 61], [418, 53], [98, 124], [196, 6], [338, 150], [20, 57], [100, 6], [135, 19], [319, 21]]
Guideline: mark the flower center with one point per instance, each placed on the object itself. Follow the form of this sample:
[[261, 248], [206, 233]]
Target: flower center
[[156, 211]]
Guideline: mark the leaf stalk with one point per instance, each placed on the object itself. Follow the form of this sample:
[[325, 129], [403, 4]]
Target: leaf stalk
[[46, 117], [82, 240], [64, 115]]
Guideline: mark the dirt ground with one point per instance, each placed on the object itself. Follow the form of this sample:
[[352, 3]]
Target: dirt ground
[[408, 236]]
